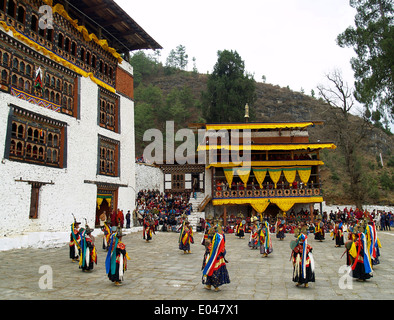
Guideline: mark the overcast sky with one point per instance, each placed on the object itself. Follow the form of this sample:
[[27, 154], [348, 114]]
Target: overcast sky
[[291, 42]]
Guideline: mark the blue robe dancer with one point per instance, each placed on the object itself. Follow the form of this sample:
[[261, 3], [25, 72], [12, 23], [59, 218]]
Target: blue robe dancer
[[116, 261]]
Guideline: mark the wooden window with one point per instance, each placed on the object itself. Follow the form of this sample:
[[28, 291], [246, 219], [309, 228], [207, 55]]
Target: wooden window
[[60, 41], [74, 48], [34, 23], [50, 35], [67, 45], [36, 141], [11, 8], [108, 156], [21, 14], [6, 59], [4, 77], [108, 110]]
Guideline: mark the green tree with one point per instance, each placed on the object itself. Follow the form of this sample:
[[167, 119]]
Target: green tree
[[143, 120], [373, 41], [143, 66], [178, 59], [229, 88]]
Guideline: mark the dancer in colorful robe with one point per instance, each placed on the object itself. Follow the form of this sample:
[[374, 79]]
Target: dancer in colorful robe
[[319, 229], [265, 242], [149, 228], [214, 264], [116, 261], [280, 228], [75, 240], [107, 234], [303, 262], [208, 226], [357, 255], [338, 234], [373, 242], [88, 255], [240, 229], [186, 237], [254, 235]]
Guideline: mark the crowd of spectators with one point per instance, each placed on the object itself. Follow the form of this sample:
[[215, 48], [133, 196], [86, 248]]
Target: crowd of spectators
[[165, 208], [383, 220]]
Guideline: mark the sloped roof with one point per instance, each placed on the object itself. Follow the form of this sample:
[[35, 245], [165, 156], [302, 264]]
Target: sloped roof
[[116, 25]]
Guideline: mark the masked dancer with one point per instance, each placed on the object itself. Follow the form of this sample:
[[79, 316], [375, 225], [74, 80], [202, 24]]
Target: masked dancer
[[116, 260], [214, 264], [75, 240], [88, 255], [186, 237], [265, 242], [303, 262]]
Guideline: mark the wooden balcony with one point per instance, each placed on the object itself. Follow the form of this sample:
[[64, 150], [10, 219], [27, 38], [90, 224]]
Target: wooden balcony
[[311, 191]]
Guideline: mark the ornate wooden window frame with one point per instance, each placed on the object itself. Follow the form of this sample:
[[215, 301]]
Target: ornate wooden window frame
[[108, 157], [108, 110], [35, 139]]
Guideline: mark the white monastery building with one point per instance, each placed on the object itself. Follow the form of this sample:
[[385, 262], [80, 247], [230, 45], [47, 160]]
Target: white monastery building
[[66, 112]]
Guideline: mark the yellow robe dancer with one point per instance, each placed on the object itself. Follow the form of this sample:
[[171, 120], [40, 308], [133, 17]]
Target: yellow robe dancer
[[186, 237]]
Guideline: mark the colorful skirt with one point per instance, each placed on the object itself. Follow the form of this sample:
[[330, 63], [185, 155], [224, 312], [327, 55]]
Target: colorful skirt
[[218, 277], [184, 247]]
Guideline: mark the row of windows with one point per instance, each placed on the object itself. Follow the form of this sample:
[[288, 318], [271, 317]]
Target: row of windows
[[34, 134], [33, 144], [30, 142], [18, 12]]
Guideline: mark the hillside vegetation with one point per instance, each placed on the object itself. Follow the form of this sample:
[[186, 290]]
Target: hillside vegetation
[[166, 93]]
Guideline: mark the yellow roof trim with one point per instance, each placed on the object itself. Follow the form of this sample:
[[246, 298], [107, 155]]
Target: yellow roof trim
[[269, 147], [252, 125]]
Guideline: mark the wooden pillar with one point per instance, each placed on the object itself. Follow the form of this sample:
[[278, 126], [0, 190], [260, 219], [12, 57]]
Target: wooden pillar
[[311, 212], [224, 216]]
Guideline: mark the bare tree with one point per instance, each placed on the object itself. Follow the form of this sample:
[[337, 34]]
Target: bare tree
[[350, 133]]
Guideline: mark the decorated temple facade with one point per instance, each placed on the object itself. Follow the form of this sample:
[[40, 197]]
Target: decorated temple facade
[[261, 168], [66, 111]]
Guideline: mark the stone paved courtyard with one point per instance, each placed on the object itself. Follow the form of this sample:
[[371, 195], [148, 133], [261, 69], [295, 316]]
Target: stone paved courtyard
[[160, 271]]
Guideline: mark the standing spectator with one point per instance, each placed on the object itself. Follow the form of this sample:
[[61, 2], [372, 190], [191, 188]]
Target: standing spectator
[[120, 218], [387, 222], [128, 216], [113, 218], [383, 221]]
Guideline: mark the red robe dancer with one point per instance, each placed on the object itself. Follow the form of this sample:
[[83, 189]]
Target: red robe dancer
[[303, 262], [280, 229], [116, 261], [149, 228], [75, 240], [186, 237], [214, 264]]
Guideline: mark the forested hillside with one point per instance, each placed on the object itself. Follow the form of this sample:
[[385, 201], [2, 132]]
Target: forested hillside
[[165, 93]]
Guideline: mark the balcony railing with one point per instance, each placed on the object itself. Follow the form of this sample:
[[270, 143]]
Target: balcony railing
[[312, 191]]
